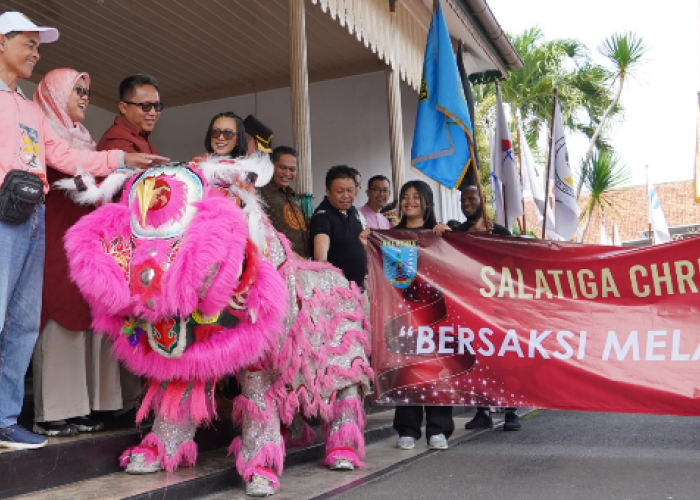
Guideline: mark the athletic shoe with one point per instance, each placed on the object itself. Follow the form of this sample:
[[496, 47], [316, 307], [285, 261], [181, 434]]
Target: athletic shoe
[[480, 421], [139, 465], [259, 486], [512, 422], [437, 442], [406, 443], [341, 463], [57, 428], [86, 424], [19, 438]]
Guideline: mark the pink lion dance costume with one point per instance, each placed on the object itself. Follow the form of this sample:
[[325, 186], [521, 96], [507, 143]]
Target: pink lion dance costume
[[189, 279]]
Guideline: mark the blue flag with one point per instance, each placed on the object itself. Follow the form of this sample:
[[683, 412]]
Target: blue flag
[[443, 128]]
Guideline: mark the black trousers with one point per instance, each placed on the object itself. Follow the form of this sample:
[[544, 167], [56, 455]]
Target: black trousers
[[438, 420]]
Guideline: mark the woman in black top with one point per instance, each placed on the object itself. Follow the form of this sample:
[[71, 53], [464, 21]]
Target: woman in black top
[[416, 211]]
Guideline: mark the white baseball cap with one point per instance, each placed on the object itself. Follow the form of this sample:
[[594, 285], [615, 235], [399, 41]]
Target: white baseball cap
[[16, 21]]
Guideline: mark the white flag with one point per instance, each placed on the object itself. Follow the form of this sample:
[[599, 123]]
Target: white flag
[[503, 162], [616, 236], [496, 185], [533, 181], [566, 210], [656, 218], [604, 238]]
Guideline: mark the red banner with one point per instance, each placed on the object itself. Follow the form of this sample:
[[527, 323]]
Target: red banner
[[495, 321]]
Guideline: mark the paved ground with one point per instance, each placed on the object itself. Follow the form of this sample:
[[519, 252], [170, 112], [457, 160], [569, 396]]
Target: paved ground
[[558, 455]]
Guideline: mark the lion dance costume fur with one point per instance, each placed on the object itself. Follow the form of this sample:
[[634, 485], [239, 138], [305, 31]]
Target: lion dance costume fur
[[192, 283]]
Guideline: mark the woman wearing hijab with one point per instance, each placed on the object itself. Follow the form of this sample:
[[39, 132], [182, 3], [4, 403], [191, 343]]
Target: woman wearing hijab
[[74, 372]]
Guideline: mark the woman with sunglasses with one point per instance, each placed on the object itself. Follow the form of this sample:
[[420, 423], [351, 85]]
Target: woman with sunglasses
[[74, 372], [225, 137], [416, 211]]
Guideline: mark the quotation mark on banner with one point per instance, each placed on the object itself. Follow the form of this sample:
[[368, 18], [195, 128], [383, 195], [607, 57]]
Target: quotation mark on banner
[[404, 333]]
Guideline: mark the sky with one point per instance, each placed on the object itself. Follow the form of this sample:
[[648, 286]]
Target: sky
[[660, 105]]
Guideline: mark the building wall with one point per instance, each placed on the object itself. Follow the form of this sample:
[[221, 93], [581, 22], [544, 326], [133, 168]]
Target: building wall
[[349, 125]]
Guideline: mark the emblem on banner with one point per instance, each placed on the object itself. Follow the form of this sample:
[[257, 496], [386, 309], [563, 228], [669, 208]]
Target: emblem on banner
[[400, 258]]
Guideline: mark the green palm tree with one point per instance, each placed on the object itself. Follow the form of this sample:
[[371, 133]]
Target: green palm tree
[[583, 86], [602, 173], [626, 52]]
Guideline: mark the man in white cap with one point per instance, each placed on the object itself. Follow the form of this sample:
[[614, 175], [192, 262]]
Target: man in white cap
[[27, 143]]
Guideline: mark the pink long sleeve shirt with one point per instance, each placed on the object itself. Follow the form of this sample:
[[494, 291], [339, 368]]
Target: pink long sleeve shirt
[[28, 142]]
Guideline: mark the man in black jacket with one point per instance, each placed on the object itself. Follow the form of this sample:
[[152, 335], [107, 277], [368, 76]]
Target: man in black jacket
[[473, 210]]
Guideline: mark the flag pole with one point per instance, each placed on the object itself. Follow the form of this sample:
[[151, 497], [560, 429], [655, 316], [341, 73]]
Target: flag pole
[[520, 163], [485, 214], [549, 165]]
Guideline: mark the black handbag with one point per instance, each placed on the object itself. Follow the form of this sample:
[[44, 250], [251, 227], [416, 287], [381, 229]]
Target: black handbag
[[20, 193]]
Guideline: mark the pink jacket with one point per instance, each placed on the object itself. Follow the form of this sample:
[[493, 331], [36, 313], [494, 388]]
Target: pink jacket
[[28, 142]]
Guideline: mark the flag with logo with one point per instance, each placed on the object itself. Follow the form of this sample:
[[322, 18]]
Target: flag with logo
[[443, 128], [533, 179], [656, 217], [504, 169], [561, 180]]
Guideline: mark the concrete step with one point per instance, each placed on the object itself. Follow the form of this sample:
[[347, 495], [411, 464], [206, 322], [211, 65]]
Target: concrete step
[[213, 473], [311, 481]]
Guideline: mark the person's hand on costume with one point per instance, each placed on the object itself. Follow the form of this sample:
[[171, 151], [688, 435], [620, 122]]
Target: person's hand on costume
[[143, 160], [441, 228], [364, 237]]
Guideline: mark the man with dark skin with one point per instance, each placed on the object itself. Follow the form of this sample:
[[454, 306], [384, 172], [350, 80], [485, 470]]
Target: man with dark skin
[[473, 210]]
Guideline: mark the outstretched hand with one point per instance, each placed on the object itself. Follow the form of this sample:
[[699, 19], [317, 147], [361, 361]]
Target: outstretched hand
[[364, 236], [143, 160], [441, 228]]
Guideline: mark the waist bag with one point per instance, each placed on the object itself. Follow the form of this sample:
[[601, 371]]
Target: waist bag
[[20, 193]]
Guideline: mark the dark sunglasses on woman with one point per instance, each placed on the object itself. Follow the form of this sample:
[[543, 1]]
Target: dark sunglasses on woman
[[83, 92], [147, 106], [228, 134]]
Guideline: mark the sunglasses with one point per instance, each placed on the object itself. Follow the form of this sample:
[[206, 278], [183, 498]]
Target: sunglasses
[[147, 106], [82, 92], [228, 134]]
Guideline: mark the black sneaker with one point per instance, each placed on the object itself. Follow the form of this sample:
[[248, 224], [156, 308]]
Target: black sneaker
[[127, 420], [86, 424], [512, 422], [480, 421], [57, 428]]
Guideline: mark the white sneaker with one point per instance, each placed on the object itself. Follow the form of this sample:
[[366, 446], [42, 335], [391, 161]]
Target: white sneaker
[[341, 463], [259, 486], [406, 443], [438, 442], [138, 465]]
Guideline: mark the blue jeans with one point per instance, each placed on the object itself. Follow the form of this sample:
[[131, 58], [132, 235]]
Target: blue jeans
[[21, 278]]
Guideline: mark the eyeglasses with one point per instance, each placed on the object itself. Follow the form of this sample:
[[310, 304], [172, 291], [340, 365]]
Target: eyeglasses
[[82, 92], [379, 190], [228, 134], [147, 106]]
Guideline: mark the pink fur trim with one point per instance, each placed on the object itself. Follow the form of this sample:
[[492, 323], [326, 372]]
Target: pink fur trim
[[270, 456], [150, 454], [186, 454], [96, 273], [216, 235], [307, 438], [343, 453]]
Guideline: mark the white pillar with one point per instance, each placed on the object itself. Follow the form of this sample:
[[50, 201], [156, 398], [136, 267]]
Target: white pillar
[[393, 94], [300, 94]]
